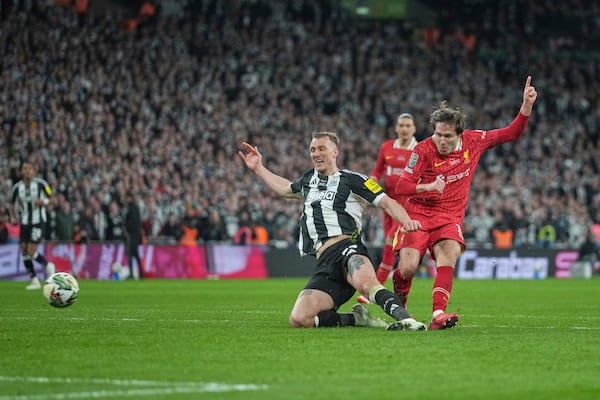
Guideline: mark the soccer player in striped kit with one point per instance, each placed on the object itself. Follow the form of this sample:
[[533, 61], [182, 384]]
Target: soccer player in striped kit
[[330, 228], [391, 160], [438, 178], [30, 197]]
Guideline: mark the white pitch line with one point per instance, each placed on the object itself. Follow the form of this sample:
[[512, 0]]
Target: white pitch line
[[167, 388], [148, 310], [97, 381], [127, 319]]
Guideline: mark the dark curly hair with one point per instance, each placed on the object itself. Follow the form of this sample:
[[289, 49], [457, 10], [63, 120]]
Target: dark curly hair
[[444, 114]]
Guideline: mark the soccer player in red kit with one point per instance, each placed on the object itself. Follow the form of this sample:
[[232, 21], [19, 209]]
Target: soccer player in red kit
[[391, 160], [438, 178]]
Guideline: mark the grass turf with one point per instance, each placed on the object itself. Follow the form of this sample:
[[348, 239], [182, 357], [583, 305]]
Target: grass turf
[[229, 339]]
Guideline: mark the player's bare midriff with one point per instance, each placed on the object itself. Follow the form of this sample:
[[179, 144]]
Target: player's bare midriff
[[330, 242]]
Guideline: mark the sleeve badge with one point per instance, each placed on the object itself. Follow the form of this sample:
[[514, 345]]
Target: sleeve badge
[[414, 157], [373, 186]]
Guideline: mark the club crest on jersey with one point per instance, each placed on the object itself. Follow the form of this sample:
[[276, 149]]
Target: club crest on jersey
[[372, 185], [466, 157], [414, 157]]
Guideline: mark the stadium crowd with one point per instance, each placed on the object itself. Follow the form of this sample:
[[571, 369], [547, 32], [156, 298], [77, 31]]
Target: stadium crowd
[[160, 109]]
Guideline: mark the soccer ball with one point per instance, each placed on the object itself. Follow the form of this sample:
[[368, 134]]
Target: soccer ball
[[61, 290]]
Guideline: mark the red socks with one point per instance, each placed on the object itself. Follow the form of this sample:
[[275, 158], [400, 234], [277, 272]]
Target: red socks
[[383, 272], [442, 287], [388, 259], [401, 286]]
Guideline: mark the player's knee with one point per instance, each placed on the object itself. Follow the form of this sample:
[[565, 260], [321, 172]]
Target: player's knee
[[294, 323], [407, 270], [301, 321], [366, 286]]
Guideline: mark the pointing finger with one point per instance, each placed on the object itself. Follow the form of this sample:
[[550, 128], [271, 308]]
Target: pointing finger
[[250, 148]]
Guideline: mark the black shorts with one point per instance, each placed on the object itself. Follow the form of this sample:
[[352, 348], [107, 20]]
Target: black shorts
[[332, 268], [31, 233]]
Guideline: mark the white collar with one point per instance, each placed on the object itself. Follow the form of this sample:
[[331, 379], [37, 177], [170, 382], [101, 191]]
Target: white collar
[[410, 146]]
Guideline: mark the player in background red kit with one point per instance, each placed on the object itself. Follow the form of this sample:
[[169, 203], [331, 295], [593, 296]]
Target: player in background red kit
[[438, 178], [391, 160]]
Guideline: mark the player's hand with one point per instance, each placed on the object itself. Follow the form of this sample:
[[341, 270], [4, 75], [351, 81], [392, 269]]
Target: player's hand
[[436, 186], [529, 93], [412, 225], [251, 157]]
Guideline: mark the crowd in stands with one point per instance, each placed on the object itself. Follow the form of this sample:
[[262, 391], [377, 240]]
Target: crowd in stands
[[160, 109]]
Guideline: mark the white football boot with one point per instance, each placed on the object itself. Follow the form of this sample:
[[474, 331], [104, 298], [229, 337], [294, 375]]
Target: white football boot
[[50, 269], [34, 285], [363, 317], [407, 324]]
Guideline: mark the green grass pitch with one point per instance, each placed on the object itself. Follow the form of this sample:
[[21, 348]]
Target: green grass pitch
[[229, 339]]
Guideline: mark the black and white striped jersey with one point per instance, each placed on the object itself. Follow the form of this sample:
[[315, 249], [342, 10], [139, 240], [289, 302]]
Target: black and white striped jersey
[[24, 197], [333, 205]]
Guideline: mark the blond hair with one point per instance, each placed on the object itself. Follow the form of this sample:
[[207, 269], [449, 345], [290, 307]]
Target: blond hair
[[331, 135]]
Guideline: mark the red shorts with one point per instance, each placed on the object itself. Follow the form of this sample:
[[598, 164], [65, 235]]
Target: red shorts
[[435, 228], [390, 225]]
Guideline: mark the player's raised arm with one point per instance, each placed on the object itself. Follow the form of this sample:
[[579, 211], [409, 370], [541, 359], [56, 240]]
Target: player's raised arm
[[529, 97], [518, 125], [253, 160]]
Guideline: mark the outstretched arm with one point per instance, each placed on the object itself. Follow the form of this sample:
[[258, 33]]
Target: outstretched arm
[[518, 125], [253, 160], [396, 211]]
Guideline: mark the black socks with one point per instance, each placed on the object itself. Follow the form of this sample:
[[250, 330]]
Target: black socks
[[330, 318], [391, 304]]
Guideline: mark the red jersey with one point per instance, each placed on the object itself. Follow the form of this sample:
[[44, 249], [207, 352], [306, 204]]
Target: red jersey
[[456, 169], [391, 161]]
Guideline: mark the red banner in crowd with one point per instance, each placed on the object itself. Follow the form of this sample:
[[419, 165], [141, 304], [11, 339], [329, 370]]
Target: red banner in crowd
[[231, 261], [109, 261]]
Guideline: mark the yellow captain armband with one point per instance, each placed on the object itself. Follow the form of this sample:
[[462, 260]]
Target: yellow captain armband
[[373, 186]]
